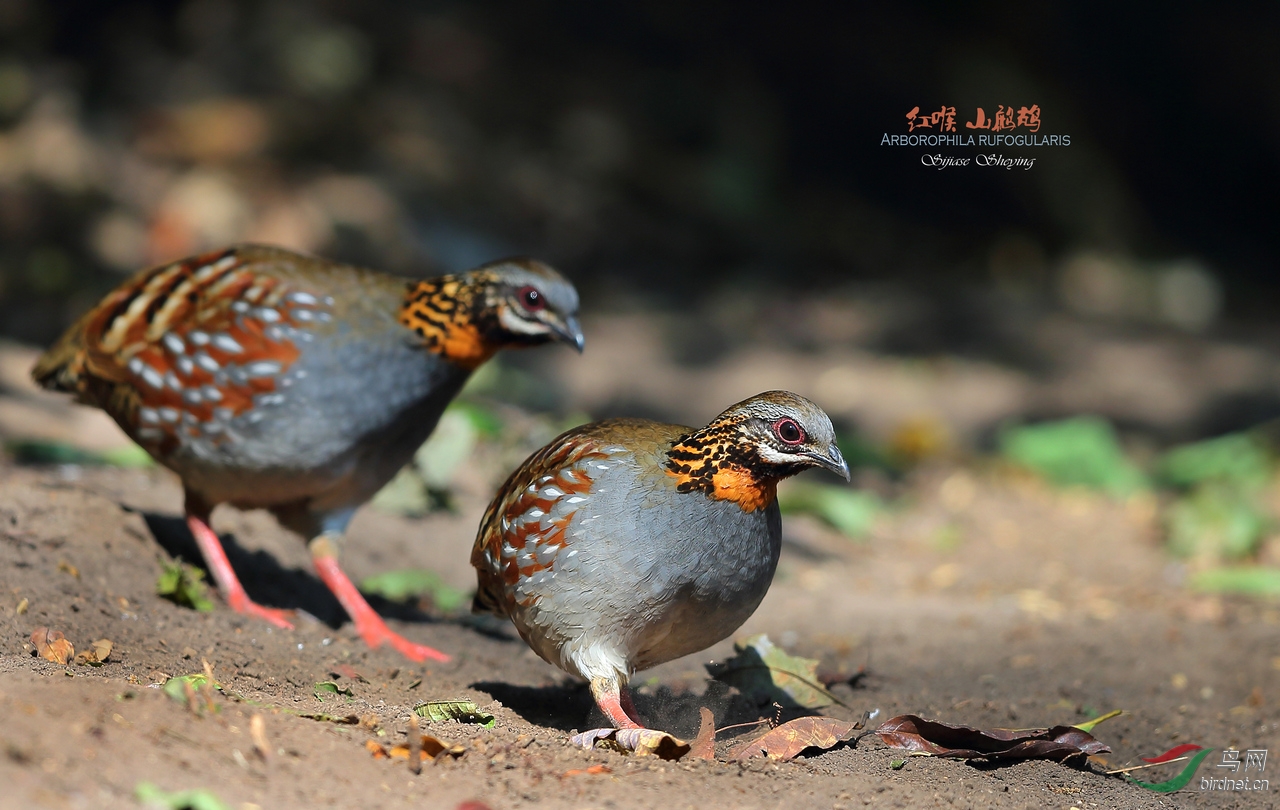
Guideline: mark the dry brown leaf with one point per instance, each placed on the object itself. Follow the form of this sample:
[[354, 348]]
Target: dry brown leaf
[[431, 748], [52, 645], [639, 741], [963, 742], [97, 653], [704, 745], [789, 739], [594, 770], [348, 671]]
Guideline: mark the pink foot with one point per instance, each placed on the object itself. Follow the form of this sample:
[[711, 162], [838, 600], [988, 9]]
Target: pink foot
[[614, 700], [369, 624], [228, 584], [277, 616]]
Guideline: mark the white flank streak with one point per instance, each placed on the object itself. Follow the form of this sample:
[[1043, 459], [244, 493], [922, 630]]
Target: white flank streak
[[262, 368], [227, 343], [207, 363]]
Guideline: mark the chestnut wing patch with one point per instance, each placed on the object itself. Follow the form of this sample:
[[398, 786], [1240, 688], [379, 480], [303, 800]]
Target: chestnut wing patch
[[187, 347], [523, 533]]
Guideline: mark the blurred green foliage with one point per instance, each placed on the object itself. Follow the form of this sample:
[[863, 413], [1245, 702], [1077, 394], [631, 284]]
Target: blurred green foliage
[[848, 510], [409, 583], [1216, 522], [1081, 451], [153, 798], [1248, 580], [1237, 459], [1216, 510], [1219, 512]]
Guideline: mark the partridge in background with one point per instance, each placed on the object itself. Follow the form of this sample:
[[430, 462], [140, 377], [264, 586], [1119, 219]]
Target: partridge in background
[[269, 379], [627, 543]]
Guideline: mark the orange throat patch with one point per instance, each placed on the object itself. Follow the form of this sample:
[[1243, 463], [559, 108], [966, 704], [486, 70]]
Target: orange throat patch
[[743, 488], [440, 311], [717, 462], [706, 469]]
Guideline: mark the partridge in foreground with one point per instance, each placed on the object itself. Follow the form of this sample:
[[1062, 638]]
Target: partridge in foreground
[[627, 543], [269, 379]]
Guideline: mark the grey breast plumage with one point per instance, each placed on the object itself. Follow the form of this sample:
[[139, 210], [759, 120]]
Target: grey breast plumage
[[640, 573]]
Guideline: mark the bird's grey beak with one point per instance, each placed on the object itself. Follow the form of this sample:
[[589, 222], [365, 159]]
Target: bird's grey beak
[[832, 460], [570, 331]]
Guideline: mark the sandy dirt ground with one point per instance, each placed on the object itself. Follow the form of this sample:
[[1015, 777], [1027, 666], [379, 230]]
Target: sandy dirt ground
[[982, 597]]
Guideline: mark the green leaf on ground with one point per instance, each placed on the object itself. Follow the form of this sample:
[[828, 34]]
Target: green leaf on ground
[[184, 585], [129, 456], [1081, 451], [407, 583], [461, 711], [848, 510], [1236, 458], [1215, 521], [764, 672], [44, 451], [330, 688], [198, 799], [176, 687], [1088, 725], [1250, 580]]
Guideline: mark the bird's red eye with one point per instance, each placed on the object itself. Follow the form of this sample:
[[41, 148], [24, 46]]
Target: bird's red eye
[[530, 299], [788, 431]]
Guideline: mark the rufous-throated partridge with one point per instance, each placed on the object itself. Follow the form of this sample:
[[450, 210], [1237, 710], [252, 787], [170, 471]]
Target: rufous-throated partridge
[[627, 543], [270, 379]]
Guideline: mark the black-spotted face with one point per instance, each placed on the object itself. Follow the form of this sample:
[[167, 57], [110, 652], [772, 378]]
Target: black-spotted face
[[531, 303]]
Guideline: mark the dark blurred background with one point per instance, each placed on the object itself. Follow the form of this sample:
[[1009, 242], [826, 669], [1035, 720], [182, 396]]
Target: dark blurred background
[[716, 158]]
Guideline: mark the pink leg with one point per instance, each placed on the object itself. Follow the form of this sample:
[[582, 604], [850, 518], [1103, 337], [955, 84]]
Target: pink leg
[[629, 706], [613, 700], [228, 584], [369, 624]]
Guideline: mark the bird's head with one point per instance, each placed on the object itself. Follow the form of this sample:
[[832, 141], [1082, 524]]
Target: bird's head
[[526, 302], [503, 304], [745, 451]]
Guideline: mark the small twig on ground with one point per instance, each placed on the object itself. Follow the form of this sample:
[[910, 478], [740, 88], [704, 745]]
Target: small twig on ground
[[258, 733], [1140, 767], [415, 745]]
